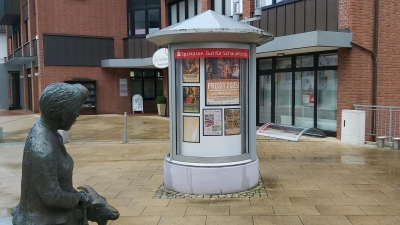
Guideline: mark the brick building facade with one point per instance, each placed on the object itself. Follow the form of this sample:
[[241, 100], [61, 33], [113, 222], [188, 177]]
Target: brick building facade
[[325, 45]]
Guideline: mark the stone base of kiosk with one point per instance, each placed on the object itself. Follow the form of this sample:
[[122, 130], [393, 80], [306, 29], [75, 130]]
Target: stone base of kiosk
[[207, 180]]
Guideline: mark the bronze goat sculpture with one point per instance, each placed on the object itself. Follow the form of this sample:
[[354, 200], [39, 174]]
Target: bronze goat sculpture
[[97, 208]]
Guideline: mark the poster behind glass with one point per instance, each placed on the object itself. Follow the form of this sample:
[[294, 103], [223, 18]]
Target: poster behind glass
[[307, 86], [232, 121], [222, 81], [212, 122], [191, 129], [191, 99], [191, 70]]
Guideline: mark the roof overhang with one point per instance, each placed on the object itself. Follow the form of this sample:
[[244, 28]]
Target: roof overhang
[[209, 26], [305, 42], [17, 61], [127, 63]]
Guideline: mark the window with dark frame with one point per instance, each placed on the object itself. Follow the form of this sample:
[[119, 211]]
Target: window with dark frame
[[146, 82], [26, 30], [143, 17], [223, 7], [183, 9], [17, 38]]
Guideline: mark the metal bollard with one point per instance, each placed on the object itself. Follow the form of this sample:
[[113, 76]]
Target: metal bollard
[[125, 128], [1, 134], [381, 141], [396, 145]]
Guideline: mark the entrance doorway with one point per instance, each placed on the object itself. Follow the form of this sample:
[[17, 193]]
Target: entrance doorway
[[14, 91], [298, 90]]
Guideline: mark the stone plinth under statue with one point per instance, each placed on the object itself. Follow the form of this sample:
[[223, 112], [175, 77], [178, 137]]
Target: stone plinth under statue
[[212, 79]]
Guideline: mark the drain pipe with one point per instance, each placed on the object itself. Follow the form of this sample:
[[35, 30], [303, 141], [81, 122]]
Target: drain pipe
[[375, 73]]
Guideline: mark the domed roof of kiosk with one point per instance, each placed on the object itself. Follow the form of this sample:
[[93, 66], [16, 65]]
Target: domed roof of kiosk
[[210, 26]]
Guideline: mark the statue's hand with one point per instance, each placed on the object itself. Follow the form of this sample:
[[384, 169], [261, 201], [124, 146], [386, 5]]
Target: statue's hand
[[83, 197]]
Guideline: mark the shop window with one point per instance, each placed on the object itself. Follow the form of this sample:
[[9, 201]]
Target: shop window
[[328, 60], [147, 83], [143, 17], [265, 64], [304, 61], [182, 10], [283, 63], [299, 90], [327, 100]]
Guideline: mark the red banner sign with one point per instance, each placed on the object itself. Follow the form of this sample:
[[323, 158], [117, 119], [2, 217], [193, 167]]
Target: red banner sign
[[211, 53]]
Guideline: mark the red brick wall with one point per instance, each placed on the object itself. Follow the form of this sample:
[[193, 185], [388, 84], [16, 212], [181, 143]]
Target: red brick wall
[[248, 8], [108, 99], [389, 53], [355, 70], [205, 5], [164, 14], [355, 66], [91, 18]]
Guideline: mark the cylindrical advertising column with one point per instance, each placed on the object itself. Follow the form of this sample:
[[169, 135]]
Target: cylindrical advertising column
[[212, 100], [211, 147]]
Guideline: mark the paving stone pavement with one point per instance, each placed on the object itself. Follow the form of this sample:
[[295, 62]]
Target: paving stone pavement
[[313, 181]]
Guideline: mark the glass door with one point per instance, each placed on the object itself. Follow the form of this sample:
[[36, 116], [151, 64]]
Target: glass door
[[327, 100], [265, 99], [283, 98], [14, 92], [304, 99]]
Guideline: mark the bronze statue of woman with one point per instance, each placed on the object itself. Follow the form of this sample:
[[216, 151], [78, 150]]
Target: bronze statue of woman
[[47, 193]]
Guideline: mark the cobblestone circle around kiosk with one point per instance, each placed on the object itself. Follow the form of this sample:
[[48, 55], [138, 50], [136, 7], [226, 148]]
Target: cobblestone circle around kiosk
[[256, 192]]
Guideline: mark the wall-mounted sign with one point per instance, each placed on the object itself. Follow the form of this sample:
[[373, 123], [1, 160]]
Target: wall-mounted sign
[[123, 87], [160, 58], [211, 53]]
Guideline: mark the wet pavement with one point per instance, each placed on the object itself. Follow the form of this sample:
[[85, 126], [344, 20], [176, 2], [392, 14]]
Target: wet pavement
[[93, 127], [313, 181]]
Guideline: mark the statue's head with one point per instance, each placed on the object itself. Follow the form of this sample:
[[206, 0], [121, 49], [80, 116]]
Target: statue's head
[[60, 103]]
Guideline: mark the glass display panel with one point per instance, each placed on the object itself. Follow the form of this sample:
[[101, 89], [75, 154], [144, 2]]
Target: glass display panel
[[327, 100], [283, 98]]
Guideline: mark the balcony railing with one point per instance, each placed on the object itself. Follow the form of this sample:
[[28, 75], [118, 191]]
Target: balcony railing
[[27, 50], [18, 52]]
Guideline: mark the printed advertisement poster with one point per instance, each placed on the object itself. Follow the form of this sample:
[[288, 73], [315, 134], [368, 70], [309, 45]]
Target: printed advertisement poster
[[212, 122], [222, 81], [232, 121], [191, 70], [307, 82], [123, 87], [191, 99], [191, 129]]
